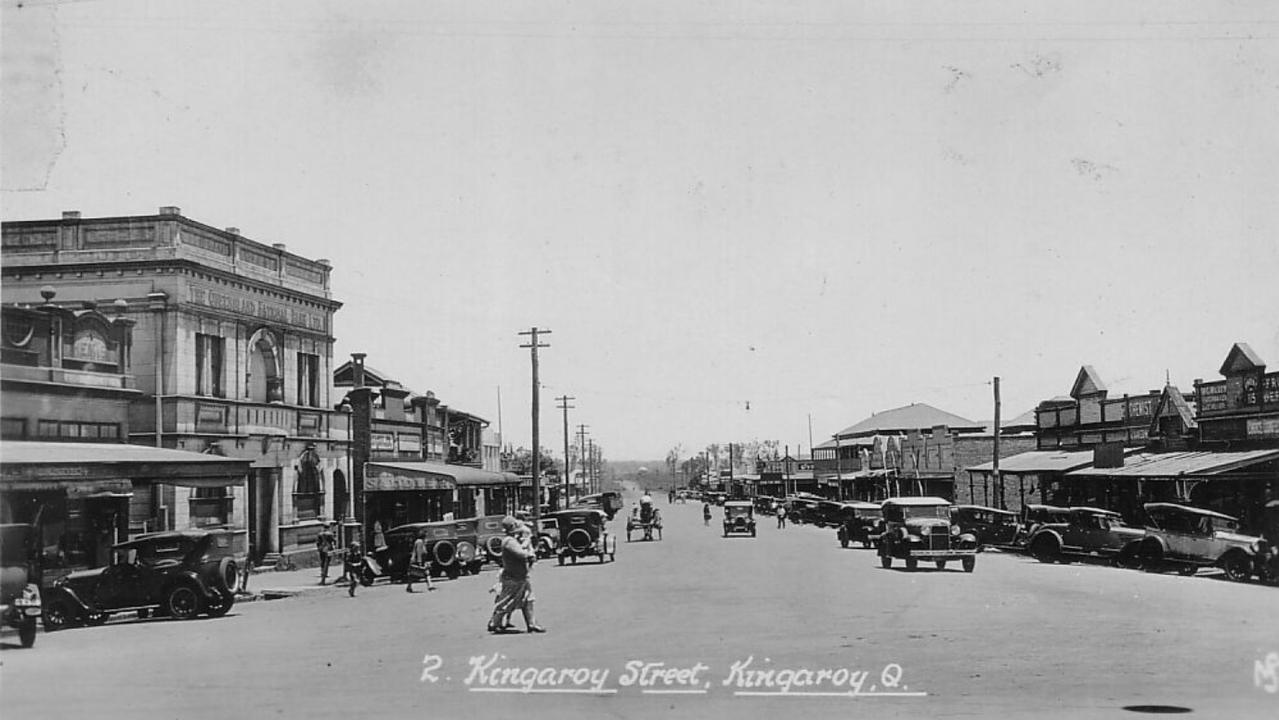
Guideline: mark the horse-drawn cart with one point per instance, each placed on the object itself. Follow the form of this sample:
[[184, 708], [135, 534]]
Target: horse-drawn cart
[[646, 518]]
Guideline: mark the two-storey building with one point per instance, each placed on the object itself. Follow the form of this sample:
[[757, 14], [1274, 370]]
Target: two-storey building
[[232, 351]]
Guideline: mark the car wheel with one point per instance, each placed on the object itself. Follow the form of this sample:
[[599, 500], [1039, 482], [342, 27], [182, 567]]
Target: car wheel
[[221, 606], [866, 544], [941, 564], [27, 632], [97, 618], [1152, 559], [1236, 568], [970, 562], [1046, 550], [58, 615], [367, 577], [183, 603], [912, 563]]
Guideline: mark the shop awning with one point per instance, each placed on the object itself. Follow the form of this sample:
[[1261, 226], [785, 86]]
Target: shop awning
[[1039, 461], [393, 476], [85, 469], [1181, 464]]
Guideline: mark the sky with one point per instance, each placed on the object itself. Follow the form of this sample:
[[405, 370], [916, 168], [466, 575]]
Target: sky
[[739, 220]]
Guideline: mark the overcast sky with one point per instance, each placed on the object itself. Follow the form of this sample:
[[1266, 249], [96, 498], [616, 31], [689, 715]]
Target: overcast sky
[[732, 216]]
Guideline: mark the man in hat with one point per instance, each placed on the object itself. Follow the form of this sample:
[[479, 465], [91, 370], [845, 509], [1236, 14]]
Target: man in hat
[[516, 591], [419, 563], [325, 543]]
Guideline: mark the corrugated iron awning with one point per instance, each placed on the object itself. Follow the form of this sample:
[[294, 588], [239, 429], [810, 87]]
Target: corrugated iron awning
[[1181, 464]]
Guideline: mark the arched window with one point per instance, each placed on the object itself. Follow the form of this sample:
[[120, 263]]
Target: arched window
[[265, 381]]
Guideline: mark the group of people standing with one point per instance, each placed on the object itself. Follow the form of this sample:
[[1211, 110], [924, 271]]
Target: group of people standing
[[513, 589]]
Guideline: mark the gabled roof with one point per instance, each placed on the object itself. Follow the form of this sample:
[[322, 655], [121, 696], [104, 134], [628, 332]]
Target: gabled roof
[[345, 377], [1087, 382], [1173, 403], [1242, 359], [916, 416]]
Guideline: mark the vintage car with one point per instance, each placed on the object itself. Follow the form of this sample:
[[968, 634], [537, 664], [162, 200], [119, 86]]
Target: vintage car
[[179, 574], [471, 552], [766, 505], [548, 537], [1184, 538], [827, 513], [20, 568], [582, 534], [607, 502], [645, 518], [919, 528], [1268, 551], [859, 522], [802, 508], [393, 560], [739, 518], [1087, 532], [1032, 516], [991, 526], [489, 535]]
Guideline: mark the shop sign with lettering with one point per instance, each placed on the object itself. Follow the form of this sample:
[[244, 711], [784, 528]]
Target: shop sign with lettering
[[385, 480], [243, 305]]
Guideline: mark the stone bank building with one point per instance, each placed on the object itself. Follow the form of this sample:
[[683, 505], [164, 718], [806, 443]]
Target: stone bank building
[[205, 342]]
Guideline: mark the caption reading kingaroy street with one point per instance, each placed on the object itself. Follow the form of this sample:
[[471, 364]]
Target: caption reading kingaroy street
[[496, 672]]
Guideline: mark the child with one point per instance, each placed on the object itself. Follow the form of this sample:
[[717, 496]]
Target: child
[[351, 565]]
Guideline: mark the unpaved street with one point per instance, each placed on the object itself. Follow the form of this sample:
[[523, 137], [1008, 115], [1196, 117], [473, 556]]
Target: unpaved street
[[1015, 638]]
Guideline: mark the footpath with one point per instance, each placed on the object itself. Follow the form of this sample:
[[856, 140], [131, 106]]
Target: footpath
[[274, 585]]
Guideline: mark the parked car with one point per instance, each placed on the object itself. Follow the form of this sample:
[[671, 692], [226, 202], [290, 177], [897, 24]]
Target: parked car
[[826, 513], [802, 508], [859, 522], [393, 560], [1087, 532], [739, 518], [489, 535], [548, 537], [20, 567], [1032, 516], [179, 574], [991, 525], [919, 528], [1185, 539], [471, 552], [766, 505], [607, 502], [582, 534]]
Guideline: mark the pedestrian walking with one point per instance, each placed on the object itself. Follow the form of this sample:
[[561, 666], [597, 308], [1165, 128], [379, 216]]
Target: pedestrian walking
[[325, 544], [706, 514], [351, 565], [781, 516], [419, 562], [516, 591]]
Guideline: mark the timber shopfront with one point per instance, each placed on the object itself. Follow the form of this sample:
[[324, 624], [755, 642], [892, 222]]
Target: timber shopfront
[[404, 492], [85, 497]]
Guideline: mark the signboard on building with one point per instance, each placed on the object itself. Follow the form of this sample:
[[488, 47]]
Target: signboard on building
[[1263, 427], [386, 480]]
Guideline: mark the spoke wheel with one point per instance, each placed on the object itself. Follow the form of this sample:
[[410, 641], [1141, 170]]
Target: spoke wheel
[[58, 615], [221, 606], [183, 603]]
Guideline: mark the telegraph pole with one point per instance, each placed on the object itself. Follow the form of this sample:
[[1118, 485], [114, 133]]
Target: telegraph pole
[[994, 475], [581, 451], [568, 464], [533, 345]]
